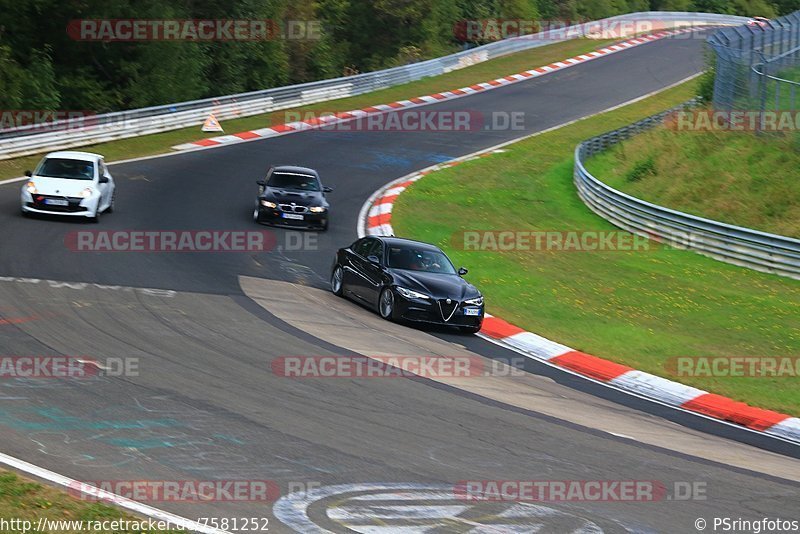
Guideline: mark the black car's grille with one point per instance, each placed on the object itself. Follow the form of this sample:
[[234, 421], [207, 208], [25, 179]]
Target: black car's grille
[[40, 204], [289, 208], [447, 307]]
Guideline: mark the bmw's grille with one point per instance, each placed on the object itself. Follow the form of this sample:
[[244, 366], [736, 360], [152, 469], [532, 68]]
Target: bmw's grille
[[447, 307], [290, 208]]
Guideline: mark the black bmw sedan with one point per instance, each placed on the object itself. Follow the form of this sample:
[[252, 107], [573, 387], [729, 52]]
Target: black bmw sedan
[[294, 197], [407, 280]]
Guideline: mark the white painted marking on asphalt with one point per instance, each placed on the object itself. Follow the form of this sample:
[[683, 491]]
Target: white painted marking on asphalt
[[57, 284], [354, 513], [369, 507]]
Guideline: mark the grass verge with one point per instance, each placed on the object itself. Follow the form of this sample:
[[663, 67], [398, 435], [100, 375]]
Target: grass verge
[[637, 308], [25, 500], [734, 177], [159, 143]]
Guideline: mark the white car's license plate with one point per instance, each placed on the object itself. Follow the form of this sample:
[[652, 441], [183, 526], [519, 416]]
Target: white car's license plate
[[56, 202], [294, 216], [472, 311]]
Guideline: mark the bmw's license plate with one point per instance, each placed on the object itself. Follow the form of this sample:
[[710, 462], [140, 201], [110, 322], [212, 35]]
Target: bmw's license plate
[[472, 311], [293, 216], [56, 202]]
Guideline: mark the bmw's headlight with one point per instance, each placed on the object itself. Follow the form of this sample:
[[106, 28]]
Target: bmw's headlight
[[30, 187], [317, 209], [268, 204], [88, 192], [477, 301], [411, 294]]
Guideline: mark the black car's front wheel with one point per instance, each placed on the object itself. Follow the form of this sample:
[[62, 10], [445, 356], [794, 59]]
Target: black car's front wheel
[[257, 215], [386, 305], [337, 279], [470, 329]]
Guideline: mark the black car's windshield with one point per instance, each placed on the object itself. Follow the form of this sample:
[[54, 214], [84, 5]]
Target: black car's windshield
[[73, 169], [419, 259], [293, 180]]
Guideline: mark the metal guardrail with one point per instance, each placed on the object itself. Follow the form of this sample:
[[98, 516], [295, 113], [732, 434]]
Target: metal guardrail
[[756, 250], [101, 128]]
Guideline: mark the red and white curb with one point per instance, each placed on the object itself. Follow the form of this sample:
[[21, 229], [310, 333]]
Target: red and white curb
[[345, 116], [375, 219]]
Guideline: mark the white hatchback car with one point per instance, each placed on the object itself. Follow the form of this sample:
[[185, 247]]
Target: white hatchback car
[[77, 184]]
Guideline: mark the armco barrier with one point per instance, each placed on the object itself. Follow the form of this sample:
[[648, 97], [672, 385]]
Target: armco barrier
[[25, 141], [733, 244]]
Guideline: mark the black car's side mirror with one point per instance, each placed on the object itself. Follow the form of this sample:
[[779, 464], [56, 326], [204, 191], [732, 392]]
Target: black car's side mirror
[[327, 189], [374, 260], [28, 174], [462, 271], [262, 183]]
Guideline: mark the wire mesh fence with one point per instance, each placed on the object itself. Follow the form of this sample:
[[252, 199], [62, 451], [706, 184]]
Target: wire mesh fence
[[758, 66]]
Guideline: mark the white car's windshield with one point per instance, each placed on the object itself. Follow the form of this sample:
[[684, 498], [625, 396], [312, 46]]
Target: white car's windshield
[[73, 169]]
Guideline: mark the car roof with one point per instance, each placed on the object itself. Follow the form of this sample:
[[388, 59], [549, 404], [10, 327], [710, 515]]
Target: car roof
[[403, 241], [71, 154], [295, 169]]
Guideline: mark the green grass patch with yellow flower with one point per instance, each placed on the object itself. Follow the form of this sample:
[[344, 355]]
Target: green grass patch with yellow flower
[[640, 308]]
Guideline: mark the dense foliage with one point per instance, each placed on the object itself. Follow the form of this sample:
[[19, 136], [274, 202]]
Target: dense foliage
[[41, 67]]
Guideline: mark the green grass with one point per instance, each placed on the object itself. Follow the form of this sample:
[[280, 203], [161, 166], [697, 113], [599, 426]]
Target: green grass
[[735, 177], [159, 143], [637, 308], [26, 500]]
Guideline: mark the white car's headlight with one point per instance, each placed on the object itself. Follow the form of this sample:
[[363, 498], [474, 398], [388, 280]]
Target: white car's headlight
[[87, 193], [30, 187], [411, 294], [317, 209], [477, 301], [268, 204]]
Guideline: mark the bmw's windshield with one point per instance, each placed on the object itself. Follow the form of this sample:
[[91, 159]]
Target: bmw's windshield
[[419, 259], [72, 169], [293, 180]]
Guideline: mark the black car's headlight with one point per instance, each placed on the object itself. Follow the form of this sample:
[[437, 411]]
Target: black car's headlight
[[411, 294], [317, 209], [477, 301], [268, 204]]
